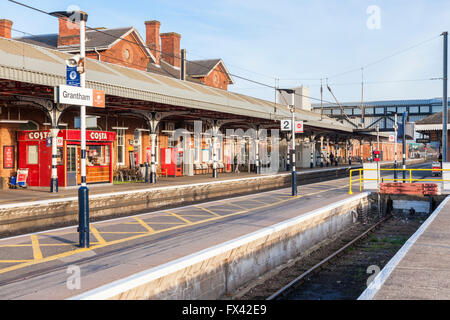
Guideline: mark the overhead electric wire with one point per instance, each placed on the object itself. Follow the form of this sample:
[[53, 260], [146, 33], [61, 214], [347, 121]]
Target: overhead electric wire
[[385, 58], [120, 38], [231, 74]]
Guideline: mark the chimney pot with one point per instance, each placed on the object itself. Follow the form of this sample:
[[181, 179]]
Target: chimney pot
[[5, 28]]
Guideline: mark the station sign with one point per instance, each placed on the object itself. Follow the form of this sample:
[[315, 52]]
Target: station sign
[[72, 76], [79, 96], [422, 140], [286, 125], [298, 126]]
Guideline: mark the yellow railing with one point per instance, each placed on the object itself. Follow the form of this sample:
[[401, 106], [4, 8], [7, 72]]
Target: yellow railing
[[410, 178]]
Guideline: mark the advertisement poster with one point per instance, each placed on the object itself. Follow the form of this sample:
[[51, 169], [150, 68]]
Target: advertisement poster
[[8, 157]]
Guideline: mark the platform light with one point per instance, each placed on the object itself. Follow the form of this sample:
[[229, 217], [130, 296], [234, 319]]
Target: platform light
[[76, 61]]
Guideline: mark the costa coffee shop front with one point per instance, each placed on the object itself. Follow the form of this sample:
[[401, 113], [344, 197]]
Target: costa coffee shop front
[[35, 153]]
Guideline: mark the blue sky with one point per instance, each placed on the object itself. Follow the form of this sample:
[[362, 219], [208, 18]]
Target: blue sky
[[286, 39]]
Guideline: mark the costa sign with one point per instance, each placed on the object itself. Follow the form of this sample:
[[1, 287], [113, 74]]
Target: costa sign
[[38, 135], [96, 135]]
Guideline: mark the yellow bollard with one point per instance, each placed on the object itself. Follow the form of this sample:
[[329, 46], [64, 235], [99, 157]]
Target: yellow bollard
[[410, 176], [360, 180], [350, 185]]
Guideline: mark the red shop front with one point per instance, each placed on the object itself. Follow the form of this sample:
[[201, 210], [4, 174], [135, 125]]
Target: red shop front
[[35, 153]]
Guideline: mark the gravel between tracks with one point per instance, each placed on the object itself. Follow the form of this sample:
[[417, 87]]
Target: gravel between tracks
[[345, 276]]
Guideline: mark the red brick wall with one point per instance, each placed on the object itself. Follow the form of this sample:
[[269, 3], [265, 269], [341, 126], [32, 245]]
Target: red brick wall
[[170, 46], [137, 57], [217, 78]]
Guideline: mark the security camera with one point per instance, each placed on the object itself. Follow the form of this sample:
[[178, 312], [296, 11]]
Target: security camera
[[76, 61]]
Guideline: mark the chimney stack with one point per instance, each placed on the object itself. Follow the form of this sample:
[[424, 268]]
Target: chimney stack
[[152, 38], [69, 32], [170, 47], [5, 28]]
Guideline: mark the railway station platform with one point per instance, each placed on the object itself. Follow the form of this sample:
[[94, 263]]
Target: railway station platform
[[203, 251], [421, 268]]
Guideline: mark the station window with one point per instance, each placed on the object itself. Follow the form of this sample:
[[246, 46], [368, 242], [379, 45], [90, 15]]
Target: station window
[[401, 109], [435, 109], [424, 109], [379, 110], [414, 109], [357, 111], [121, 147], [368, 111], [32, 154], [327, 111], [97, 156], [348, 111], [391, 109]]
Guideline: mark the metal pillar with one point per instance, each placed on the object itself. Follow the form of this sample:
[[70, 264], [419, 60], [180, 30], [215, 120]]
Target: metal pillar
[[328, 152], [258, 167], [336, 152], [83, 191], [54, 178], [321, 152], [294, 173], [214, 141], [405, 115], [395, 142], [153, 158], [445, 102], [312, 151]]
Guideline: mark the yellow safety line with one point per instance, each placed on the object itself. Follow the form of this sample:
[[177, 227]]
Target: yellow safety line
[[139, 236], [209, 211], [179, 217], [156, 222], [124, 232], [97, 235], [37, 253], [14, 261], [144, 224], [237, 205]]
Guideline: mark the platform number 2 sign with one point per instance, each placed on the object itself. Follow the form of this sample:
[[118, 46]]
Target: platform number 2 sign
[[286, 125]]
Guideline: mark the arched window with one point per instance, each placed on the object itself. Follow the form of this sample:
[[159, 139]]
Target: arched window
[[30, 125]]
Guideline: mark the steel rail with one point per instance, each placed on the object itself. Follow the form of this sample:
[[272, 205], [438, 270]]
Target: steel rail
[[284, 290]]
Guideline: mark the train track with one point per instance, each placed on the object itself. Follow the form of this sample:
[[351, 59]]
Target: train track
[[284, 291]]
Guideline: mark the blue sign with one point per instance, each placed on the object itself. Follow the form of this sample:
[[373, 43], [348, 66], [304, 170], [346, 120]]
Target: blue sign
[[49, 142], [72, 77]]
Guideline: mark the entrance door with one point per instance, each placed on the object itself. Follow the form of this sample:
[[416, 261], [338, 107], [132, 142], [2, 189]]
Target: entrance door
[[71, 166], [45, 164]]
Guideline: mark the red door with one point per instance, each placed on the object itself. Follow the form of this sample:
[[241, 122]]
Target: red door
[[45, 164], [29, 158]]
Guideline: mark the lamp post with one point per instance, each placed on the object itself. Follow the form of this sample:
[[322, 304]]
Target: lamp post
[[292, 109], [80, 17]]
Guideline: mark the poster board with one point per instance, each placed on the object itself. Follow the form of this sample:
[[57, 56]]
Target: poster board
[[8, 157]]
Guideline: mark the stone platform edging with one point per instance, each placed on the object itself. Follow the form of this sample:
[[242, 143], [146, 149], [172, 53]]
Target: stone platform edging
[[34, 216], [211, 273], [382, 276]]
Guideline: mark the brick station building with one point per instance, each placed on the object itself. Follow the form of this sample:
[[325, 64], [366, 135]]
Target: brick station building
[[149, 92]]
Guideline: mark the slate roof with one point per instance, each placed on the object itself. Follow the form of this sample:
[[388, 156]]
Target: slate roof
[[94, 39], [200, 68], [435, 118]]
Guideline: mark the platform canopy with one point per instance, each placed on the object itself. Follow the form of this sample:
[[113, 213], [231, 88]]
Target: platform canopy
[[23, 64]]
